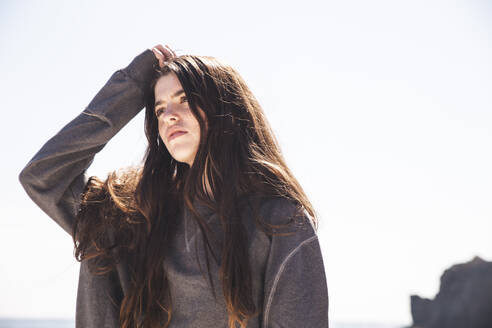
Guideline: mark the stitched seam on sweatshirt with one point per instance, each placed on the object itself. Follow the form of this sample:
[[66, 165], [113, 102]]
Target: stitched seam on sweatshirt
[[103, 118], [277, 277]]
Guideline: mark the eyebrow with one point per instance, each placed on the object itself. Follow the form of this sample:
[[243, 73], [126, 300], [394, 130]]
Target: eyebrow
[[176, 94]]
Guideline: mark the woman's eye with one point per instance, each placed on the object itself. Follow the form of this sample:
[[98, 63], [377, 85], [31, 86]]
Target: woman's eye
[[159, 112], [184, 99]]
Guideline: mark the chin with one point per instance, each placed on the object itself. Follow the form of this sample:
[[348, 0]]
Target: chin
[[183, 156], [182, 159]]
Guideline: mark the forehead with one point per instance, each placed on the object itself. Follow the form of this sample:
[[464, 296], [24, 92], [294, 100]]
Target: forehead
[[166, 86]]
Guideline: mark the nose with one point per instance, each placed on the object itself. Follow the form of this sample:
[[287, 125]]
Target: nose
[[171, 113]]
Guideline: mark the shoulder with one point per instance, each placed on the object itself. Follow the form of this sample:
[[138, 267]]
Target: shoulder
[[279, 209], [283, 214]]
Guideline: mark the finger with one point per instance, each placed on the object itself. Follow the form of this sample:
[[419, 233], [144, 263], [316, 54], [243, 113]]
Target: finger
[[159, 56], [157, 53], [162, 49], [168, 53], [171, 50], [158, 46]]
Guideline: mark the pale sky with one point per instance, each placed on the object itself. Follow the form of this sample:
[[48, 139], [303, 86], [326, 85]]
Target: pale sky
[[383, 110]]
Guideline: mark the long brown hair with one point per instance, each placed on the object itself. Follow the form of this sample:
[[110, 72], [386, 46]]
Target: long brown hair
[[131, 216]]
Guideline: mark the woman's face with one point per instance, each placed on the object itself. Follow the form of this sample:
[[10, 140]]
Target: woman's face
[[178, 128]]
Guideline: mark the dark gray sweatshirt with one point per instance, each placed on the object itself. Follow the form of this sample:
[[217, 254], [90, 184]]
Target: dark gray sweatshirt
[[289, 281]]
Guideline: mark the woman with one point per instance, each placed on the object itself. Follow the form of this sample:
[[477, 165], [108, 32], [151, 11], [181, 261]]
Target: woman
[[213, 176]]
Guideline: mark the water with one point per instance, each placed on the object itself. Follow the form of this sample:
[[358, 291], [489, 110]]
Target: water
[[68, 323]]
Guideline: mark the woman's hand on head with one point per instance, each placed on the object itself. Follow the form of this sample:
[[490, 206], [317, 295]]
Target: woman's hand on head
[[163, 53]]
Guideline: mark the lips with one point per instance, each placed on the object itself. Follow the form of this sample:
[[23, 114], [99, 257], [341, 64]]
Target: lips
[[175, 133]]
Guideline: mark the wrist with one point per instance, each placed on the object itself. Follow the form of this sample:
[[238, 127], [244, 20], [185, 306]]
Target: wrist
[[142, 68]]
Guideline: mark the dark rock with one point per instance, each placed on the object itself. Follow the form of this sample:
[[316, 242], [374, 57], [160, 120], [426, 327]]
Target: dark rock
[[464, 299]]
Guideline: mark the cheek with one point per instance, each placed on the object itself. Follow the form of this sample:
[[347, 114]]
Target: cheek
[[204, 117], [160, 128], [191, 123]]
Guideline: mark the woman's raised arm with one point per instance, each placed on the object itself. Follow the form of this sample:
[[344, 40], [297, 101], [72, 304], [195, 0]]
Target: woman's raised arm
[[55, 177]]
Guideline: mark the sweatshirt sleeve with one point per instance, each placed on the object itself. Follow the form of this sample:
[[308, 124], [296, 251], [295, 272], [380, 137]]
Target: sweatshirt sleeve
[[55, 177], [296, 292]]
